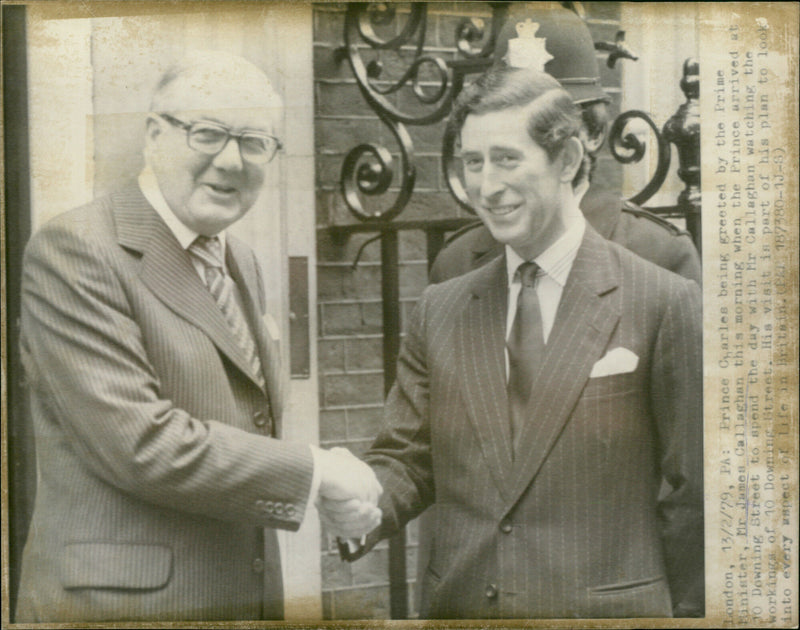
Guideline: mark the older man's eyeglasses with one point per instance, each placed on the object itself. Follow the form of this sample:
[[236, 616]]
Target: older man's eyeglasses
[[210, 138]]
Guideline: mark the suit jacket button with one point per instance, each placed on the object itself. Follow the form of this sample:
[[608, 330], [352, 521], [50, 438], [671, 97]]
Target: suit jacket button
[[269, 507], [290, 511], [260, 419], [278, 508], [261, 506], [505, 526], [491, 591], [258, 565]]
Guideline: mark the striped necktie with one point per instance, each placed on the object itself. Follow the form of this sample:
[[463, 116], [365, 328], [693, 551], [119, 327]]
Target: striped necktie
[[525, 346], [221, 286]]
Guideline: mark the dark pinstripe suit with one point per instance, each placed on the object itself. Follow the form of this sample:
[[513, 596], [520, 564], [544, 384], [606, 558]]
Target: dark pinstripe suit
[[571, 526], [157, 469]]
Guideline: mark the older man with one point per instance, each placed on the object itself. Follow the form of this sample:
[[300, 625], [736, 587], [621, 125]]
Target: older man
[[155, 382], [542, 399]]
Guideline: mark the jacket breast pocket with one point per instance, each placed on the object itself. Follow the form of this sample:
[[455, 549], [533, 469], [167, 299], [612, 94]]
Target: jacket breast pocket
[[647, 597], [115, 565], [613, 385], [611, 417]]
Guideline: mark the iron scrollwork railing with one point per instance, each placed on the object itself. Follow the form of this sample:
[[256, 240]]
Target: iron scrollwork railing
[[368, 169], [628, 149], [369, 172]]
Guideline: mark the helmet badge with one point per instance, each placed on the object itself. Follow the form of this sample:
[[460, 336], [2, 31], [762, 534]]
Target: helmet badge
[[526, 50]]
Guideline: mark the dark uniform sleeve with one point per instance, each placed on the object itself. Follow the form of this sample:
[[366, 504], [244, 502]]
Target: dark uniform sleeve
[[466, 249], [657, 240]]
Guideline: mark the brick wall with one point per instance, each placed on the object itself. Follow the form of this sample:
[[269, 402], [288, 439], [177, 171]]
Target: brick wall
[[349, 299]]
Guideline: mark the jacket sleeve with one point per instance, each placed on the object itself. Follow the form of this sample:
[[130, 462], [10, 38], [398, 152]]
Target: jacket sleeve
[[98, 394], [401, 454], [677, 386], [685, 260]]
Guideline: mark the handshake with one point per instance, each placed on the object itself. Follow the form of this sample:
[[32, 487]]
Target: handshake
[[348, 494]]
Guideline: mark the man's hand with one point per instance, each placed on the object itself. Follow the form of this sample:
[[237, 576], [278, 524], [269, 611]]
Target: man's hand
[[348, 519], [348, 494]]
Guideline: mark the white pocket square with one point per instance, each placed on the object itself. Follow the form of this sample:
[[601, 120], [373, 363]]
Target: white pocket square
[[616, 361]]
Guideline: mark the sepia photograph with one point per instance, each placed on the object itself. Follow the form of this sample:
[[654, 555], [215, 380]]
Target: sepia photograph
[[400, 314]]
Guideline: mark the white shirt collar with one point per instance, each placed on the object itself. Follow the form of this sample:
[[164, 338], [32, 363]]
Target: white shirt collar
[[151, 191], [556, 261]]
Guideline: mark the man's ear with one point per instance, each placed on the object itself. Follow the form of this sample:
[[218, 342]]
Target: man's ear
[[571, 159], [153, 128], [592, 143]]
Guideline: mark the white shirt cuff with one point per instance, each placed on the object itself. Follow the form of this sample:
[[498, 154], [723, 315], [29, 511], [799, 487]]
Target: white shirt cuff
[[316, 479]]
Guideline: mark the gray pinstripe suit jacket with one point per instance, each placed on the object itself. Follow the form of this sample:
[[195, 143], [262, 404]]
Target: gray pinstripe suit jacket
[[158, 469], [572, 526]]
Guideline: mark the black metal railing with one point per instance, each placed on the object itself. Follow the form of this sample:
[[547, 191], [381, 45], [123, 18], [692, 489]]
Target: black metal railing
[[368, 170]]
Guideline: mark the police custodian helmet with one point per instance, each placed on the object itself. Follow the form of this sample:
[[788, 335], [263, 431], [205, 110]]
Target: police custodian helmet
[[555, 40]]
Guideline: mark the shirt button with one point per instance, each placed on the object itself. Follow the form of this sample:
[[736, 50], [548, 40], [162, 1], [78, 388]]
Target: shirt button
[[505, 526], [260, 419], [491, 591], [258, 565]]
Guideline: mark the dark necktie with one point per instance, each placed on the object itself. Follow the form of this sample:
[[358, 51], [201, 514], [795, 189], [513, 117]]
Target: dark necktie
[[525, 347], [209, 252]]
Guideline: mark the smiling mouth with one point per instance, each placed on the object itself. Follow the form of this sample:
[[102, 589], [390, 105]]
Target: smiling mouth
[[220, 189], [502, 210]]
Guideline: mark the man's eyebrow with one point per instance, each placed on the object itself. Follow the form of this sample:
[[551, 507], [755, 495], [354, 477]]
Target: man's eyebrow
[[213, 119], [497, 148], [210, 118]]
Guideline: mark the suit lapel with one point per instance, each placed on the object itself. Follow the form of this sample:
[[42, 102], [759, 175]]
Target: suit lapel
[[166, 269], [480, 360], [585, 320], [243, 271]]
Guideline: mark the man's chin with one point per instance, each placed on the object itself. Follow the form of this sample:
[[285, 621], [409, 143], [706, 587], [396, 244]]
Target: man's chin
[[212, 219], [521, 244], [507, 235]]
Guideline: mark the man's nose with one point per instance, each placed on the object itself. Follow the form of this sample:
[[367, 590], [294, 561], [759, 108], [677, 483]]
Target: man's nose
[[491, 182], [230, 157]]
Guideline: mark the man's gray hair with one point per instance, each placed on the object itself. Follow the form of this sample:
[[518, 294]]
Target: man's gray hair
[[201, 65]]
